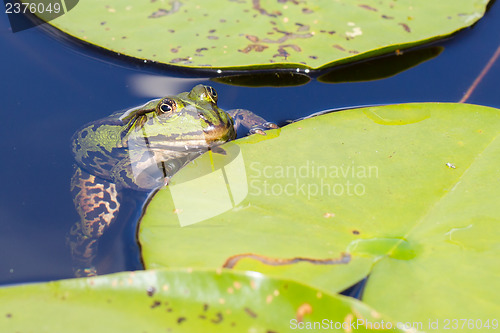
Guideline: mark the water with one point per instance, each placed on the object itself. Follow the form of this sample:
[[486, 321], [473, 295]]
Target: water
[[50, 89]]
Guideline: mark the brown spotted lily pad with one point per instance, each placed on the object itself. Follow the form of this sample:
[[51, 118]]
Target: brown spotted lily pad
[[180, 301], [241, 34]]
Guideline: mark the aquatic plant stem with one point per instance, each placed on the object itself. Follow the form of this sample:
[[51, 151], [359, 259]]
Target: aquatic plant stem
[[480, 76]]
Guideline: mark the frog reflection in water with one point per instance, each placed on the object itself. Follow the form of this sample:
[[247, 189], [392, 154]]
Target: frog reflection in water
[[141, 149]]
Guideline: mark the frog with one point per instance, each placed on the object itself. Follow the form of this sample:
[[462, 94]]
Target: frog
[[140, 149]]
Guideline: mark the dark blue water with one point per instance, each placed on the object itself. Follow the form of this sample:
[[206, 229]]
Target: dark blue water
[[49, 89]]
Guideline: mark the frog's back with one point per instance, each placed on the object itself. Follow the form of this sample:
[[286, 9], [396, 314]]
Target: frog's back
[[98, 147]]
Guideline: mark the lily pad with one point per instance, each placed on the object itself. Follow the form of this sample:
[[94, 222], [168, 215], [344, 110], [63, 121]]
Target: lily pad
[[406, 195], [178, 301], [235, 34]]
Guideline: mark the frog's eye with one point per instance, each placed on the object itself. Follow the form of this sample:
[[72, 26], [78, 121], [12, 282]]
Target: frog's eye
[[212, 93], [167, 105]]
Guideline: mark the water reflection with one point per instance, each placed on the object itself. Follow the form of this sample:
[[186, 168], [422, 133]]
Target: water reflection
[[52, 87]]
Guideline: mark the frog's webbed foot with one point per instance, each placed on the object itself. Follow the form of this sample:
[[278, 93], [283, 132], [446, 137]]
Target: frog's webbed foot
[[260, 129], [97, 204], [251, 121]]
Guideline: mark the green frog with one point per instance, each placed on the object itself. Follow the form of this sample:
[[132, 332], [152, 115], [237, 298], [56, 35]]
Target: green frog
[[141, 149]]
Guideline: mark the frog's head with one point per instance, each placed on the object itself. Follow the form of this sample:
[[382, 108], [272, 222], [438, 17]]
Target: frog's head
[[190, 120]]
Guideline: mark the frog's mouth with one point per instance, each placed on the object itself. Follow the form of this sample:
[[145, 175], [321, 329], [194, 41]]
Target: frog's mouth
[[219, 134], [202, 142], [215, 129], [180, 145]]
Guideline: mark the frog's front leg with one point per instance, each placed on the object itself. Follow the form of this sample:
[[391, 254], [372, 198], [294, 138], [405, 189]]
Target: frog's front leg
[[97, 204], [251, 121]]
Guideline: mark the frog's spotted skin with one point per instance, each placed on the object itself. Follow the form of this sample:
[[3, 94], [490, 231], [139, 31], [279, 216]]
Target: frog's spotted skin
[[96, 201], [141, 149]]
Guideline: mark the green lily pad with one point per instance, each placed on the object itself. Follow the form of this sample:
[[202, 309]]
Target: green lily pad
[[177, 301], [256, 34], [404, 194]]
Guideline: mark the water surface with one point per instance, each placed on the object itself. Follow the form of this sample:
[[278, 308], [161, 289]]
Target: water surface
[[50, 89]]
